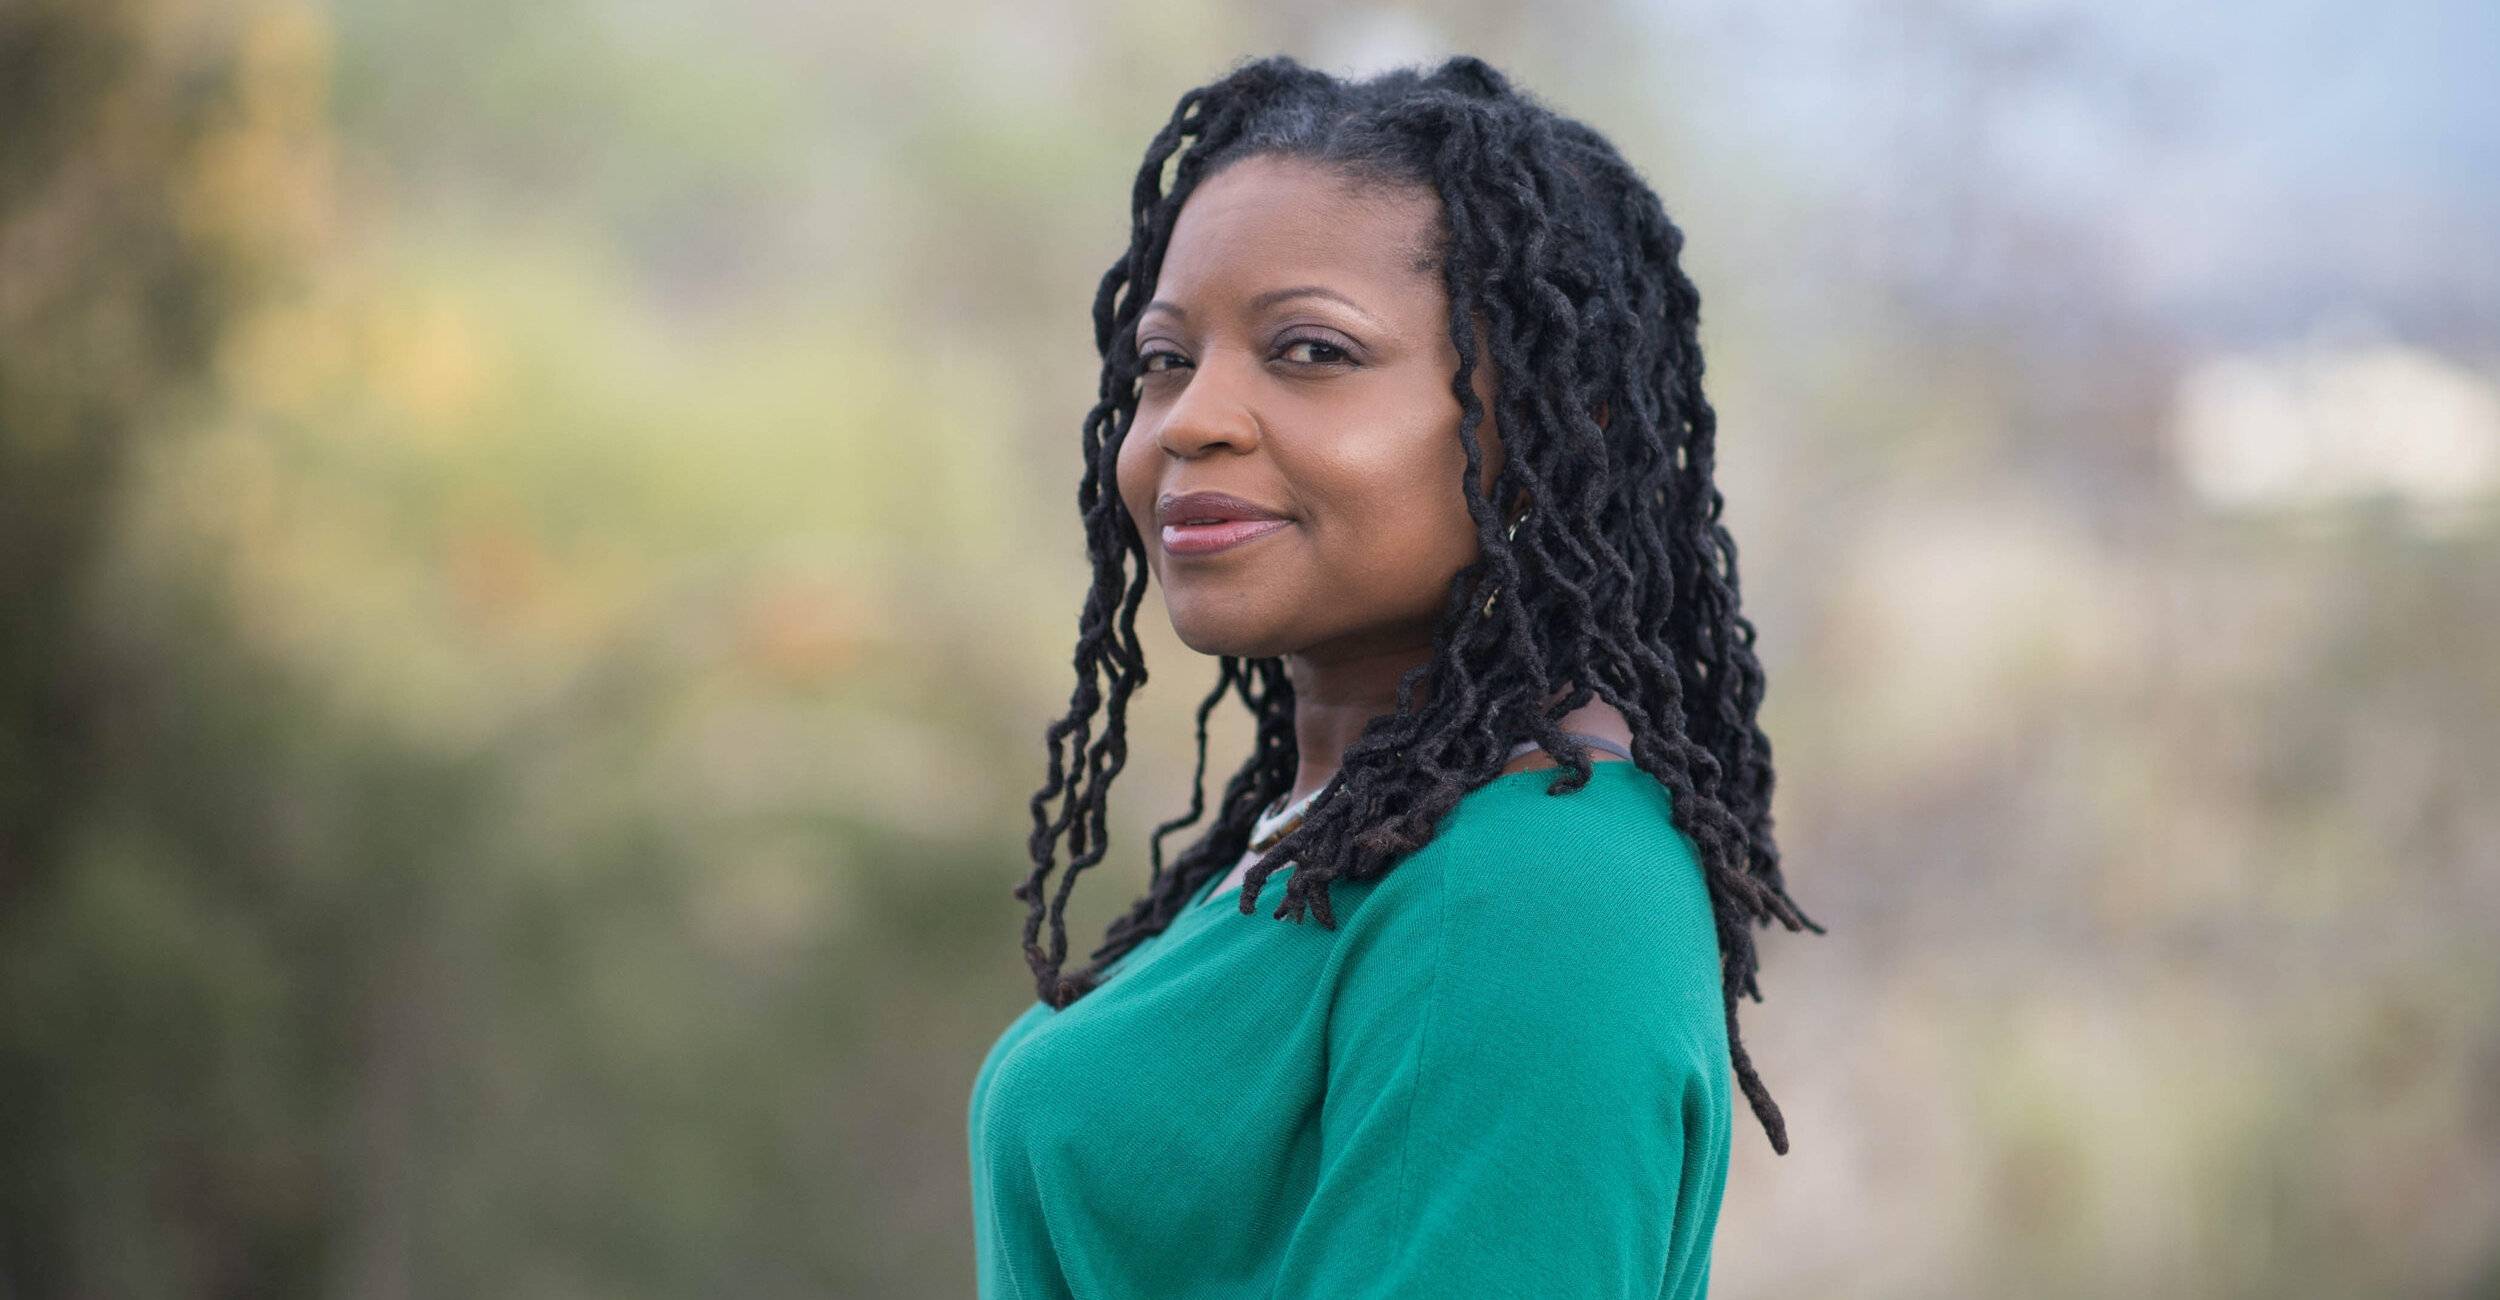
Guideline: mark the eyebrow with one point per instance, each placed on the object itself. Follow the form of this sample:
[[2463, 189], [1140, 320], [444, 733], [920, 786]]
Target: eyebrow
[[1272, 297]]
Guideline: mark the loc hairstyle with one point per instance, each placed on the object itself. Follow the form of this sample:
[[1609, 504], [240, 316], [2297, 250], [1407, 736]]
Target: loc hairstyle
[[1621, 581]]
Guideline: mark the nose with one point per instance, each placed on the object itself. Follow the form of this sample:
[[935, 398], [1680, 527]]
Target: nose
[[1213, 409]]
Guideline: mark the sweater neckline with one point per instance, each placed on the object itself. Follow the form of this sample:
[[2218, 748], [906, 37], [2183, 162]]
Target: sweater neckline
[[1201, 901]]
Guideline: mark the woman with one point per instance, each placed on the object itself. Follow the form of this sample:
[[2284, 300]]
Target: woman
[[1361, 316]]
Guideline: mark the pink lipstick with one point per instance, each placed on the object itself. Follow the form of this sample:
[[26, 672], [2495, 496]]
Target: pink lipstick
[[1207, 539], [1203, 523]]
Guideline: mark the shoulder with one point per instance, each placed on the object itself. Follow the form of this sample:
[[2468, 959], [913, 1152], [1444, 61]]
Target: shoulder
[[1581, 920], [1612, 845]]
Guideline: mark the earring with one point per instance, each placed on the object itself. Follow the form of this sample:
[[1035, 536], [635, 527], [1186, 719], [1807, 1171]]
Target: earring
[[1508, 534]]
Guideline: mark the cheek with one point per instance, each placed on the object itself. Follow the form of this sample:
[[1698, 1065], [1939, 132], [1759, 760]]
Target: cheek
[[1399, 521], [1135, 482]]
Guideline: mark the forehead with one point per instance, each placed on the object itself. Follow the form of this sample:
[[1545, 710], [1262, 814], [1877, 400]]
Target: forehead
[[1289, 220]]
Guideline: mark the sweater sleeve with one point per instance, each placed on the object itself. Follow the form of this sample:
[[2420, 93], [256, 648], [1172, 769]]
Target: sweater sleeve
[[1526, 1092]]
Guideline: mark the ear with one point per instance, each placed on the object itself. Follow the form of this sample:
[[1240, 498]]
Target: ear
[[1603, 413]]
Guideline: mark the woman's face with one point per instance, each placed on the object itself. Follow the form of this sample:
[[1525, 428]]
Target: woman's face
[[1297, 356]]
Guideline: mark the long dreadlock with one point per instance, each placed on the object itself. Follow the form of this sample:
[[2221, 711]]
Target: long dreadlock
[[1622, 582]]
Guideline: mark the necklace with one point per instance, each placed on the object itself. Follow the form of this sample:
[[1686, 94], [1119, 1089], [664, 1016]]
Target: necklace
[[1275, 823], [1272, 824]]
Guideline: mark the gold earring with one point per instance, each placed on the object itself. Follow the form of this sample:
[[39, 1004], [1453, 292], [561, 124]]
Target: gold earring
[[1509, 534]]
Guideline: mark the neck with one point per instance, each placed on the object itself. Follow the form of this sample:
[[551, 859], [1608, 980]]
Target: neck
[[1335, 699]]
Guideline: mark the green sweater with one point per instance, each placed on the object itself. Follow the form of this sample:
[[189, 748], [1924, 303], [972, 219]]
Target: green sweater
[[1504, 1073]]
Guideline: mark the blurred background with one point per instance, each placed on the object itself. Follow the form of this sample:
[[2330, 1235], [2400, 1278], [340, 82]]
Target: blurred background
[[538, 542]]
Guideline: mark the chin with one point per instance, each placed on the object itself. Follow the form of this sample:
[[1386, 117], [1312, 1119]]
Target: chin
[[1230, 630]]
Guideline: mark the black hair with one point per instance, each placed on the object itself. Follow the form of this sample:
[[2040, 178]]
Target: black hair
[[1621, 582]]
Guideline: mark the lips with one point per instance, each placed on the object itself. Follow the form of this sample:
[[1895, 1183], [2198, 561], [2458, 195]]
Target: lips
[[1206, 539], [1202, 523], [1210, 507]]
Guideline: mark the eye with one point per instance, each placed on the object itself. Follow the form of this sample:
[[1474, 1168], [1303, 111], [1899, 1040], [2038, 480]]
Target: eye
[[1311, 351], [1301, 351]]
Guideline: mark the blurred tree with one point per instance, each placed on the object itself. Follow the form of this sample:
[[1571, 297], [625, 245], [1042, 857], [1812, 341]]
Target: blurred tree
[[107, 308], [160, 164]]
